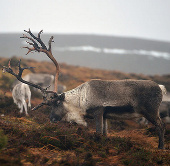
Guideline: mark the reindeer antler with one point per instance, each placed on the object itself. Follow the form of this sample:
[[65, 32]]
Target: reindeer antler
[[19, 77], [38, 45]]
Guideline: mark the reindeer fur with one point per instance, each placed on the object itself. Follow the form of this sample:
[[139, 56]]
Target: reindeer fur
[[122, 99], [20, 93], [104, 99]]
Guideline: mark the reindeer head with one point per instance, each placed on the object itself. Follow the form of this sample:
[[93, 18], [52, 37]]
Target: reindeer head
[[58, 111], [64, 110]]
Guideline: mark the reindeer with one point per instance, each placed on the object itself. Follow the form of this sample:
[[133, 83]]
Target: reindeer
[[20, 93], [119, 99]]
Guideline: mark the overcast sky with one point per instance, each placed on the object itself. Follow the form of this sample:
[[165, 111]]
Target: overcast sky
[[134, 18]]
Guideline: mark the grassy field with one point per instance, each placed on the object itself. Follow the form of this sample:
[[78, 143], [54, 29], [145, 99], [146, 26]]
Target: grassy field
[[33, 140]]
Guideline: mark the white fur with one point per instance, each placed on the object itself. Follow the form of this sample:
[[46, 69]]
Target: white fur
[[72, 105], [74, 115], [20, 93], [164, 91]]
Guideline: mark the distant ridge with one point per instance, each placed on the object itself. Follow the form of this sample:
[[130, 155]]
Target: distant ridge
[[111, 52]]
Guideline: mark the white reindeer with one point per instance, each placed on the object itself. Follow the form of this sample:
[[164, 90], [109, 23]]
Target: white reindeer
[[20, 93]]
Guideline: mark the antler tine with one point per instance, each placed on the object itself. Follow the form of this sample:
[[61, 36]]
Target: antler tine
[[47, 102], [19, 63], [38, 106], [27, 31], [30, 49], [21, 69], [25, 36], [30, 33], [9, 64], [30, 43], [49, 43], [40, 33], [35, 45], [38, 39]]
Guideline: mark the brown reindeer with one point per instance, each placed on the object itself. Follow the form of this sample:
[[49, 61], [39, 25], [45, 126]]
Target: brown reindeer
[[122, 99]]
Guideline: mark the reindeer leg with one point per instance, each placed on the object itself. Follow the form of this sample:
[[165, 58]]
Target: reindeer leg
[[160, 126], [21, 107], [18, 104], [99, 120], [29, 100], [25, 106], [161, 131], [105, 126]]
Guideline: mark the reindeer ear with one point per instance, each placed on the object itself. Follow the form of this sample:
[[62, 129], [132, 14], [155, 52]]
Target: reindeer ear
[[61, 97]]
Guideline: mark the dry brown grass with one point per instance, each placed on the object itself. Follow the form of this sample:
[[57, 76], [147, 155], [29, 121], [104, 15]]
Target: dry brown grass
[[72, 76], [34, 140]]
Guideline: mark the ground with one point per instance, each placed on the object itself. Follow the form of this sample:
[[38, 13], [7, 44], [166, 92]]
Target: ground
[[33, 140]]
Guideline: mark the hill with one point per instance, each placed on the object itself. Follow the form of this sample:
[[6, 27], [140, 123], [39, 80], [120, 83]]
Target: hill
[[102, 52], [33, 140], [72, 76]]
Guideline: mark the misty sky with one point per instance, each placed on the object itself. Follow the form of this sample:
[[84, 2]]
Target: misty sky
[[134, 18]]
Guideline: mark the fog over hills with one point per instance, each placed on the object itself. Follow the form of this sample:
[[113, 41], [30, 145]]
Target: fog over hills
[[104, 52]]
